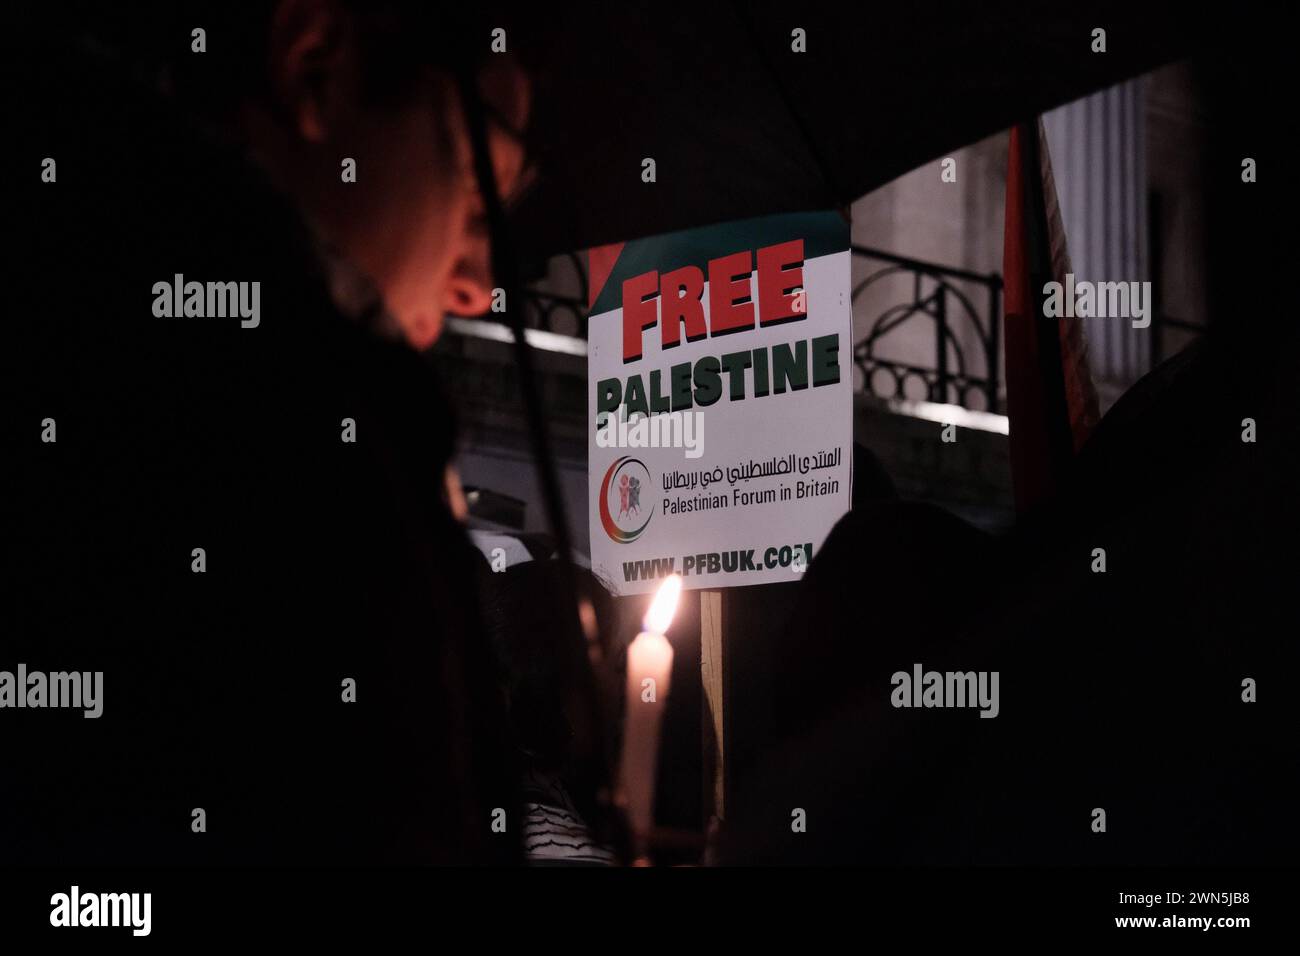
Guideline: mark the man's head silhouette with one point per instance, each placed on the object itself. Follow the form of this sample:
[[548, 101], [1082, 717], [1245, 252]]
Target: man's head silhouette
[[316, 82]]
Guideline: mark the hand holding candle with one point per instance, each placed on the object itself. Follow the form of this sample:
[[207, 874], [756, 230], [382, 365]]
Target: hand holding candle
[[649, 672]]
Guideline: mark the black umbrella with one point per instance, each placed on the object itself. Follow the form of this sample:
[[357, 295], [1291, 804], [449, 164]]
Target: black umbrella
[[740, 125]]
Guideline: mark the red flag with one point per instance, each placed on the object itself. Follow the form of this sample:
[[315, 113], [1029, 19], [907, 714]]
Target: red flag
[[1051, 403]]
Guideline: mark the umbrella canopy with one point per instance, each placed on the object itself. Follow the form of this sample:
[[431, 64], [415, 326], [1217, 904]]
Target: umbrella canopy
[[739, 124]]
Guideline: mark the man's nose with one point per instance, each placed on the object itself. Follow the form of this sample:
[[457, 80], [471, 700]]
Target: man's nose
[[469, 289]]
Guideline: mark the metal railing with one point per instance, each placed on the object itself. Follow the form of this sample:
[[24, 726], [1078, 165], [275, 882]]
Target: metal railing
[[563, 314], [933, 296]]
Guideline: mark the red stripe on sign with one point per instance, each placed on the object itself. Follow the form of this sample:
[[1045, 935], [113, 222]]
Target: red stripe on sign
[[600, 263]]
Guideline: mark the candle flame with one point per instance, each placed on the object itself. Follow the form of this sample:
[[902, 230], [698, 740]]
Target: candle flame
[[664, 606]]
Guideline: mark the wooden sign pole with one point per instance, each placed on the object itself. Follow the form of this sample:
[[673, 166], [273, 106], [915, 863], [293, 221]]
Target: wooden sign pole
[[713, 678]]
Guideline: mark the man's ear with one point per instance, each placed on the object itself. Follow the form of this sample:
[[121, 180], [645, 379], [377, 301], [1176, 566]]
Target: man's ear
[[311, 66], [504, 84]]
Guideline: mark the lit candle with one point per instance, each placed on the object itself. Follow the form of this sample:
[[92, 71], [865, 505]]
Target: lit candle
[[649, 672]]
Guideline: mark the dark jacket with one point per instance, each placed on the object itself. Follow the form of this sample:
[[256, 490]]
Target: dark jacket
[[325, 560]]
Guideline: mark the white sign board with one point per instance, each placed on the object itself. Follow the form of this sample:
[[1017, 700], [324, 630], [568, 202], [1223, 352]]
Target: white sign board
[[719, 402]]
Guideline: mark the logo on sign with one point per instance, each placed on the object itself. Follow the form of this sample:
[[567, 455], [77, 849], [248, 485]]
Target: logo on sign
[[621, 512]]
